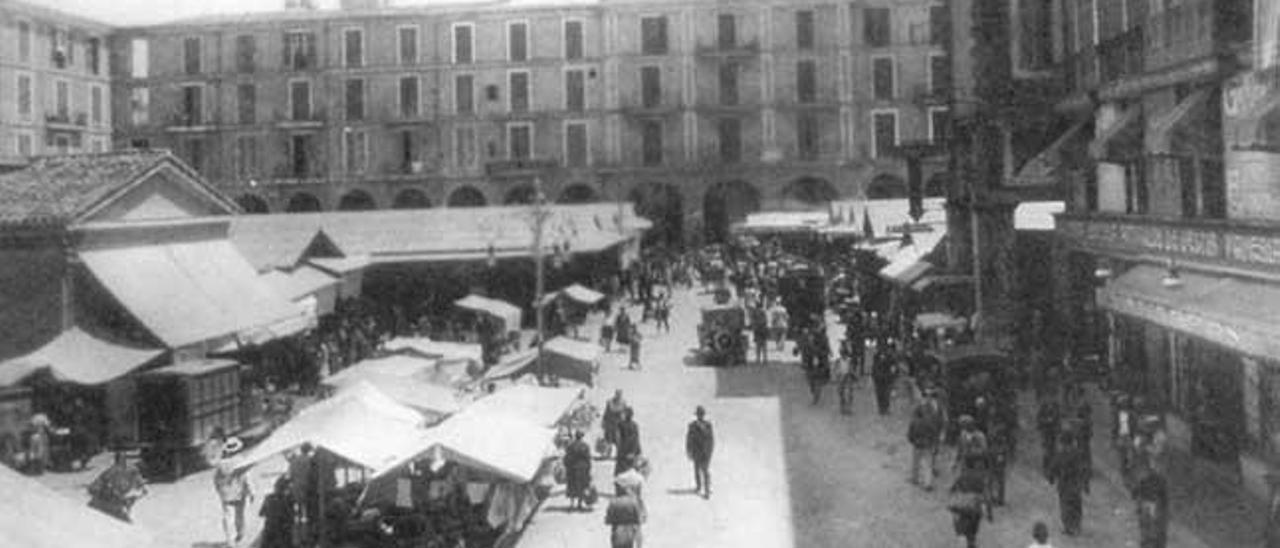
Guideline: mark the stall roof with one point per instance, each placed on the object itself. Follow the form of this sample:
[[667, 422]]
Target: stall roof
[[584, 295], [360, 424], [193, 368], [574, 348], [35, 516], [188, 290], [396, 365], [300, 282], [509, 447], [431, 399], [444, 350], [543, 406], [512, 365], [78, 357], [909, 263], [503, 310], [340, 265]]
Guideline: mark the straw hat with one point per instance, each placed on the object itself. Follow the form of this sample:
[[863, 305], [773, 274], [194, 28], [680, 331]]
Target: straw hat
[[232, 446]]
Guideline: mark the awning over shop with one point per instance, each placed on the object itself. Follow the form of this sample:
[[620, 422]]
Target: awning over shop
[[910, 263], [1043, 168], [1160, 136], [306, 281], [401, 366], [190, 291], [361, 425], [442, 350], [542, 406], [568, 358], [582, 295], [78, 357], [513, 365], [508, 313], [1037, 215], [434, 401], [35, 516], [1236, 313], [505, 446], [1124, 130]]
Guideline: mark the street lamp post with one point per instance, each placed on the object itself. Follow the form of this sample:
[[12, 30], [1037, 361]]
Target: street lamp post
[[539, 222]]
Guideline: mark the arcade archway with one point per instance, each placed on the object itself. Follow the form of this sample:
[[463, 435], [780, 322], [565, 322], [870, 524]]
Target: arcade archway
[[356, 200], [808, 193], [302, 203], [886, 186], [726, 203], [578, 194], [252, 204], [466, 197], [521, 195], [662, 204], [411, 198]]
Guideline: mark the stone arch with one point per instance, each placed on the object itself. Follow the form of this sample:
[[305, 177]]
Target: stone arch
[[356, 200], [521, 195], [303, 202], [886, 186], [936, 186], [808, 193], [411, 198], [725, 203], [580, 193], [252, 204], [466, 196], [662, 204]]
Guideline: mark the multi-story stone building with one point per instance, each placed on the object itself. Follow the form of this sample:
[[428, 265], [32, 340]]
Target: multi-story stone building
[[1169, 264], [54, 90], [698, 110]]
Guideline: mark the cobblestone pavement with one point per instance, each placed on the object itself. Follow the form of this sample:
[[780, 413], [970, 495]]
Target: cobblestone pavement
[[786, 474]]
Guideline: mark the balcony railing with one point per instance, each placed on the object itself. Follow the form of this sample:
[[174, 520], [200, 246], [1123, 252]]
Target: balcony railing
[[66, 120]]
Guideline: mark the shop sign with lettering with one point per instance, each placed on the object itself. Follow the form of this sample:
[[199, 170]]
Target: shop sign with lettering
[[1225, 246]]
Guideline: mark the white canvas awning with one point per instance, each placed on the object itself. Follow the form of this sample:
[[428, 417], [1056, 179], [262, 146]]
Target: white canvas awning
[[508, 447], [510, 314], [78, 357], [542, 406], [443, 350], [35, 516]]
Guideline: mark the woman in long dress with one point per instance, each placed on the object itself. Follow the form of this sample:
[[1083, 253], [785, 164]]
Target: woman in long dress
[[577, 467]]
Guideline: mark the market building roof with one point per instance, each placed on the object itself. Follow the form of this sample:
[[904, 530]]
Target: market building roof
[[78, 357], [114, 186]]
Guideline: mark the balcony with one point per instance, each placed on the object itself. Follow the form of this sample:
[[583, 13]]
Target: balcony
[[519, 167], [189, 122], [1215, 243], [314, 119], [1196, 29], [65, 121]]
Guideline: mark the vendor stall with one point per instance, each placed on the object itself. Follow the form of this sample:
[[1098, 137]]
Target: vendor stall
[[566, 358], [506, 313], [35, 516], [434, 401], [542, 406]]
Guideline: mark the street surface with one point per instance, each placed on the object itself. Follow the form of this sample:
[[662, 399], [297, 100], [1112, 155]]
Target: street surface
[[785, 474]]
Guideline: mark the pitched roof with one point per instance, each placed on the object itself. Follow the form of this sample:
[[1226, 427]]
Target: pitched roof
[[57, 189]]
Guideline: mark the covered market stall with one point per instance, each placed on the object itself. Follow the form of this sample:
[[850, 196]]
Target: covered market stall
[[35, 516]]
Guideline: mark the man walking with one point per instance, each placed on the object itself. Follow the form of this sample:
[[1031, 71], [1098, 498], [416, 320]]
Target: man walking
[[699, 443], [634, 346], [882, 375], [844, 377], [924, 433], [234, 492], [1070, 474], [1151, 493], [628, 442]]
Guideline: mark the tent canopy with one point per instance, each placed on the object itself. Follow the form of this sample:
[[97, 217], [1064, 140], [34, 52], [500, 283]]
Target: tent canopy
[[78, 357], [443, 350], [35, 516], [509, 313], [542, 406], [361, 425], [576, 293], [512, 365], [396, 366], [572, 359], [432, 400], [509, 447]]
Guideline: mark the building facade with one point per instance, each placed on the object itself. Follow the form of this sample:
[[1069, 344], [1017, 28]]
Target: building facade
[[1168, 264], [55, 94], [699, 111]]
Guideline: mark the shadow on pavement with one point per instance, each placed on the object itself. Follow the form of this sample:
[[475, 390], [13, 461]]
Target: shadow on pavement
[[687, 491]]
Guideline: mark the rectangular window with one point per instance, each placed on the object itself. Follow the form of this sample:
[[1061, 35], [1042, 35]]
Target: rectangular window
[[355, 99], [730, 130], [939, 25], [408, 151], [192, 105], [651, 142], [140, 106], [939, 124], [353, 47], [299, 50], [246, 53], [300, 151], [246, 104], [804, 30], [463, 43], [518, 41], [300, 100], [806, 81], [464, 146], [877, 27], [246, 159], [575, 144], [939, 75], [409, 97], [573, 40], [139, 58], [356, 151], [807, 136], [191, 55], [884, 136], [518, 81], [25, 145], [95, 105], [653, 35], [575, 91], [60, 51], [882, 84], [24, 96], [62, 100], [726, 31], [729, 84], [650, 86], [519, 141], [408, 39], [24, 42], [464, 94], [93, 55]]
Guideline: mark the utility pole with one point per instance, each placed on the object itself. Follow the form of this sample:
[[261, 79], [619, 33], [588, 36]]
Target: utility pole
[[540, 215]]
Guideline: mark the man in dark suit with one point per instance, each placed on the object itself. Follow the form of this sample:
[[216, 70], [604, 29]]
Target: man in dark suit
[[699, 443]]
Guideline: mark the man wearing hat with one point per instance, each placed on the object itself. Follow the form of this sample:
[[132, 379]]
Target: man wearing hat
[[234, 492], [699, 442]]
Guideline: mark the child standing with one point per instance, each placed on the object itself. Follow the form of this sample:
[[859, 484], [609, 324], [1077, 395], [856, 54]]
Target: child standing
[[1040, 536]]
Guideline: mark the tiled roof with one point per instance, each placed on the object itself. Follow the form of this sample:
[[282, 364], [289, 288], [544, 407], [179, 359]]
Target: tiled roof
[[55, 189]]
